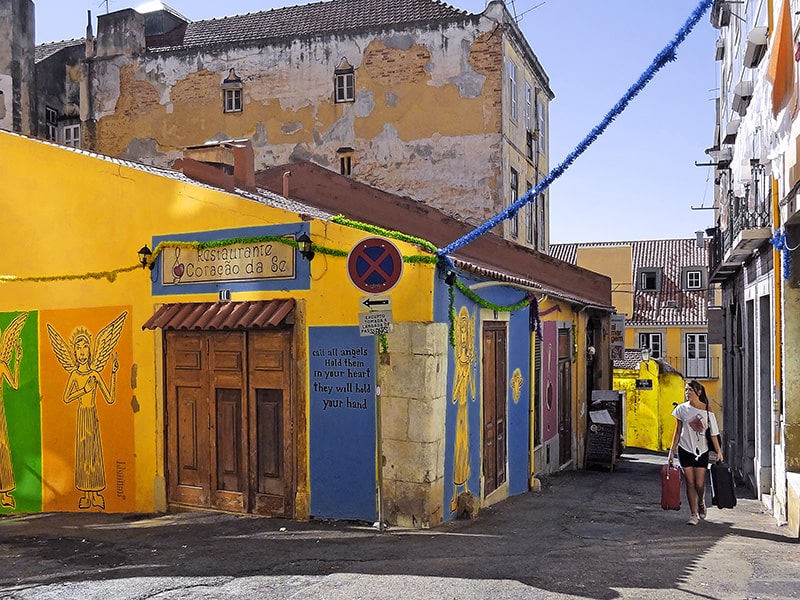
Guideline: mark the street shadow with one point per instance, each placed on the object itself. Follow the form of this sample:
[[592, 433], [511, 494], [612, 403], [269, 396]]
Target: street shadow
[[587, 534]]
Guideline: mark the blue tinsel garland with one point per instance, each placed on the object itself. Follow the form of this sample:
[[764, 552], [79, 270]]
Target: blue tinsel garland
[[661, 59], [778, 240]]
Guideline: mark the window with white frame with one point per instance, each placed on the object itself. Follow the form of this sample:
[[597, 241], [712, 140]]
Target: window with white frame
[[72, 135], [540, 227], [696, 360], [651, 341], [649, 280], [694, 280], [529, 134], [514, 190], [51, 124], [233, 101], [232, 93], [530, 220], [540, 118], [512, 90], [344, 82], [528, 105]]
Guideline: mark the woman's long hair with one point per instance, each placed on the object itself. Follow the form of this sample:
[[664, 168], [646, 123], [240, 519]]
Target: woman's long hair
[[699, 390]]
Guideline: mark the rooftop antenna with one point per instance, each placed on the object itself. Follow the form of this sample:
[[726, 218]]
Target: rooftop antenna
[[101, 4], [518, 17]]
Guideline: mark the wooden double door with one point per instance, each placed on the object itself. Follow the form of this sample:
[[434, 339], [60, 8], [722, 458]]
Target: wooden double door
[[229, 420]]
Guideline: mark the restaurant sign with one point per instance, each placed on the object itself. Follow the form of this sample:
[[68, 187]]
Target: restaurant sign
[[249, 261]]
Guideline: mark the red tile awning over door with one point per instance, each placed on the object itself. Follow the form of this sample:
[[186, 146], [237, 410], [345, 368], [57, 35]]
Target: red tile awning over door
[[222, 316]]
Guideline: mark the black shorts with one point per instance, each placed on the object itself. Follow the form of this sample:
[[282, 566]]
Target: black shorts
[[688, 459]]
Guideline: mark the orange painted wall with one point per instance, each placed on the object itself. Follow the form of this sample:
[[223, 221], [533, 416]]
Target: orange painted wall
[[61, 431]]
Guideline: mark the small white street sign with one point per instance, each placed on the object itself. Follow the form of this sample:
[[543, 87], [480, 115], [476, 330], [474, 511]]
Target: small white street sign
[[375, 323], [373, 303]]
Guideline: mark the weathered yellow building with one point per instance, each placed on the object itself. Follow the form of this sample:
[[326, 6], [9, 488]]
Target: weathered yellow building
[[417, 98]]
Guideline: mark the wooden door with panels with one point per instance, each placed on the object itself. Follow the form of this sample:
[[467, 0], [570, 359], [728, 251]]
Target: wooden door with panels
[[188, 418], [271, 446], [229, 434], [495, 398]]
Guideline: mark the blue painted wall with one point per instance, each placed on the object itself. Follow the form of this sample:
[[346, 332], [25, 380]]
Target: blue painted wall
[[342, 453], [518, 413], [519, 357]]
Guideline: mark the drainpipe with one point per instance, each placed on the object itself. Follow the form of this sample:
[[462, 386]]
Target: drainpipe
[[777, 274]]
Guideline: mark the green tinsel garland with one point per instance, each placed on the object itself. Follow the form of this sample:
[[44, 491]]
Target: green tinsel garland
[[478, 300], [341, 220], [486, 304], [110, 275], [451, 313]]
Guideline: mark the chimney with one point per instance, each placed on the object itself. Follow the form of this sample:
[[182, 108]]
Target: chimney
[[286, 176], [120, 33], [244, 173], [228, 164], [89, 37]]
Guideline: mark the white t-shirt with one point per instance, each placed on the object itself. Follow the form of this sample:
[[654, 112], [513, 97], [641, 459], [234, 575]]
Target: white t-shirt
[[693, 433]]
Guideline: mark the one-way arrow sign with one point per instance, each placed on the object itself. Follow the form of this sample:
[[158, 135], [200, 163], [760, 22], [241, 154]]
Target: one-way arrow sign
[[377, 303]]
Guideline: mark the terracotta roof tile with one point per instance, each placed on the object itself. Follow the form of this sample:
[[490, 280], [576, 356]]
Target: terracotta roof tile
[[43, 51], [221, 316], [671, 305], [319, 18]]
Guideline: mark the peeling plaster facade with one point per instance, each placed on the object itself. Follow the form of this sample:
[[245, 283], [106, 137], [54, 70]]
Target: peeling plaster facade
[[431, 117], [16, 65]]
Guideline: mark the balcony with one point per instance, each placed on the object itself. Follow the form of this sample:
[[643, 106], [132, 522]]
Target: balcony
[[747, 231], [694, 368]]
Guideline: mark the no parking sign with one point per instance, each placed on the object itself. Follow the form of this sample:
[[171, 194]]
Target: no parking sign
[[374, 265]]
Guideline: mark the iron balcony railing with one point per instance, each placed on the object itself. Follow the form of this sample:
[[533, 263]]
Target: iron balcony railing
[[695, 368], [748, 227]]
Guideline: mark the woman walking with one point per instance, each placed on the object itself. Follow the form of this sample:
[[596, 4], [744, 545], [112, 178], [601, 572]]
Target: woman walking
[[693, 418]]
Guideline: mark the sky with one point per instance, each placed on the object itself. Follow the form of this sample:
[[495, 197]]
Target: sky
[[639, 179]]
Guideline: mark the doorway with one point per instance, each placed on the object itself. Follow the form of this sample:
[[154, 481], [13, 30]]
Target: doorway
[[229, 420], [564, 396], [495, 398]]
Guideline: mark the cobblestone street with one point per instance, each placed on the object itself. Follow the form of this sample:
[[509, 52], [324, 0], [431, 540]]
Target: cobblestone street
[[587, 534]]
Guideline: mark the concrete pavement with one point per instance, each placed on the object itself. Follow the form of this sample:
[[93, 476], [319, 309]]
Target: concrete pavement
[[587, 534]]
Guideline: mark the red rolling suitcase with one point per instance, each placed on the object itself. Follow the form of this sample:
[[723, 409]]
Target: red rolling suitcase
[[723, 488], [670, 487]]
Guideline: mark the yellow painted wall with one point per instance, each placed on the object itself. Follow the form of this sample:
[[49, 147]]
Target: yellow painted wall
[[615, 262], [649, 423], [641, 410], [67, 213]]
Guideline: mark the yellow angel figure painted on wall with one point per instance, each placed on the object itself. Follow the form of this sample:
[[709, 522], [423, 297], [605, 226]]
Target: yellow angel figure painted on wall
[[463, 387], [85, 365], [10, 354]]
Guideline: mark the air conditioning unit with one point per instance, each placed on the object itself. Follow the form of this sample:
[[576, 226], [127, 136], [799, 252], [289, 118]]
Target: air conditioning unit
[[721, 156], [731, 129], [720, 14], [756, 46], [742, 94]]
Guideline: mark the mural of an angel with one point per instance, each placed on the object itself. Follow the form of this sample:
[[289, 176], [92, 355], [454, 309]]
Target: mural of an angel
[[85, 365], [463, 387], [10, 357]]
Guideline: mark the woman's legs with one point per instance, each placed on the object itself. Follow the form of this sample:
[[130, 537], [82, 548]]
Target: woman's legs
[[691, 475], [700, 488]]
